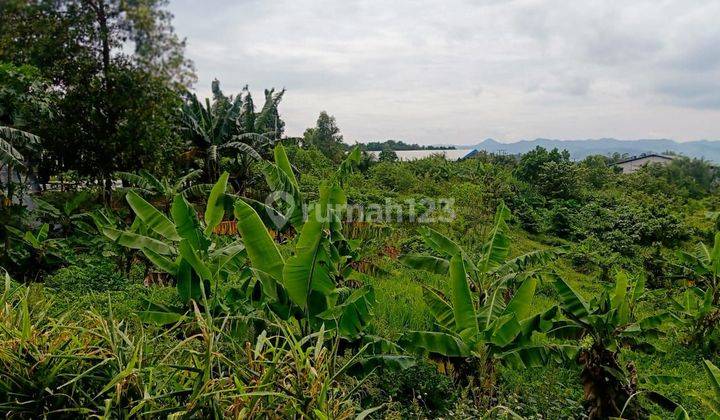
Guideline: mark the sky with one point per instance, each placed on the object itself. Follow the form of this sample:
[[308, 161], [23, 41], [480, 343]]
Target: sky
[[460, 71]]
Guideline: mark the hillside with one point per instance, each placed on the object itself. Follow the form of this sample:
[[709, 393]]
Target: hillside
[[579, 149]]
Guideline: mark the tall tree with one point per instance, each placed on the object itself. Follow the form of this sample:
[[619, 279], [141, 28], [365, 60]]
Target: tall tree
[[326, 137], [115, 110], [24, 98], [158, 49]]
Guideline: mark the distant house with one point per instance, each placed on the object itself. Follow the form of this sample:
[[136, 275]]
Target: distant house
[[471, 154], [634, 163]]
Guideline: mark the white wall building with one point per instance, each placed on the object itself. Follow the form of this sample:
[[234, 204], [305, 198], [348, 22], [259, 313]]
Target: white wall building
[[632, 164]]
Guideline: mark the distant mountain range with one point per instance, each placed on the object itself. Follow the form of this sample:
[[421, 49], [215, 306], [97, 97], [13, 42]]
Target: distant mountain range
[[579, 149]]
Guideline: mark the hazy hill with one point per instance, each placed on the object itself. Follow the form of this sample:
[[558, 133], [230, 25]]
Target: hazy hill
[[579, 149]]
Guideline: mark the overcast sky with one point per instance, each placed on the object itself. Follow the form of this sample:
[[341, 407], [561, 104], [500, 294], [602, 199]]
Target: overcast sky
[[458, 71]]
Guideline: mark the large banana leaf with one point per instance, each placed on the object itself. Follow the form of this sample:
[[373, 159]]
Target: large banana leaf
[[306, 270], [260, 247], [439, 242], [188, 286], [652, 323], [542, 322], [290, 198], [152, 217], [188, 254], [135, 241], [525, 357], [621, 285], [331, 194], [497, 248], [271, 217], [215, 210], [713, 402], [245, 148], [187, 223], [524, 262], [160, 318], [347, 165], [520, 304], [426, 263], [154, 183], [9, 155], [134, 179], [715, 256], [493, 308], [161, 261], [566, 329], [439, 307], [444, 344], [187, 178], [462, 302], [282, 162], [570, 301], [353, 314], [504, 330], [12, 136], [231, 255]]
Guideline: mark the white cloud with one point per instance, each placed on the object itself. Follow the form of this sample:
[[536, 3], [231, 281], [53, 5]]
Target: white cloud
[[458, 71]]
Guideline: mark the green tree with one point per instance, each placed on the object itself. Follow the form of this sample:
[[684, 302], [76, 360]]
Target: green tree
[[551, 173], [158, 49], [531, 162], [113, 111], [25, 98], [388, 155], [326, 137]]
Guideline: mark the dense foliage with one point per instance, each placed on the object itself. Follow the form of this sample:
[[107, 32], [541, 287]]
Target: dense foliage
[[165, 254]]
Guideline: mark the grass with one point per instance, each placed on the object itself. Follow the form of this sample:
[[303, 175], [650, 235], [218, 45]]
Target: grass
[[400, 306]]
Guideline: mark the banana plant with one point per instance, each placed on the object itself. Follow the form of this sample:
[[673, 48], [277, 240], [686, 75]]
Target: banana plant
[[484, 332], [67, 217], [163, 189], [215, 128], [697, 312], [494, 269], [491, 323], [12, 141], [603, 327], [703, 267], [698, 306], [181, 245], [307, 281], [40, 253]]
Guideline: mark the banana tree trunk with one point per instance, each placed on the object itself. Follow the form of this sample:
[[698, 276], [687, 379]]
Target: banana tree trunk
[[605, 393]]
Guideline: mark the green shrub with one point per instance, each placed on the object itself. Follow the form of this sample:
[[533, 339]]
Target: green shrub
[[417, 392], [90, 274], [393, 177]]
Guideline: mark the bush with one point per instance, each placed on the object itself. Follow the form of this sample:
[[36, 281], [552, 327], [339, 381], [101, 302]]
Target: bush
[[418, 392], [90, 274], [394, 177]]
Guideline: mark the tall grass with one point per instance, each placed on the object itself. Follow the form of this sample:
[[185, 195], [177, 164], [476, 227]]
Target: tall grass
[[94, 365]]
